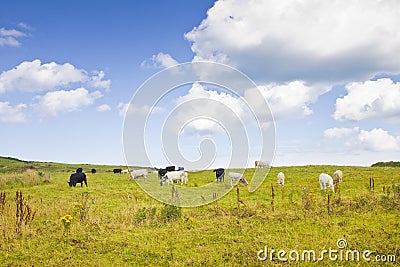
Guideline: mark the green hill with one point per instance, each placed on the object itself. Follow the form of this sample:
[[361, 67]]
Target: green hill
[[10, 165]]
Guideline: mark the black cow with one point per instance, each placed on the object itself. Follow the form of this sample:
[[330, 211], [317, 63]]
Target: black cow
[[161, 173], [180, 168], [170, 168], [78, 177], [219, 174], [94, 171], [117, 170]]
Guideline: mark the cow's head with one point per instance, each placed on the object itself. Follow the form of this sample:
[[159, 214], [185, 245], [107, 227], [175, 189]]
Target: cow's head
[[71, 181], [161, 173], [243, 180]]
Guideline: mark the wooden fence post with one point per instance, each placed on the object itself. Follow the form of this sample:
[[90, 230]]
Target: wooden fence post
[[371, 184]]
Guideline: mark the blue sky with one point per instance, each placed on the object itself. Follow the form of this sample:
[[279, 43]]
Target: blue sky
[[329, 71]]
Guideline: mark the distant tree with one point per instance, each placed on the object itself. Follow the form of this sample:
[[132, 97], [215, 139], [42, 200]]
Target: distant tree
[[387, 164]]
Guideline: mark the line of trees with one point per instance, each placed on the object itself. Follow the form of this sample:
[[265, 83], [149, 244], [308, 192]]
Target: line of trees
[[387, 164]]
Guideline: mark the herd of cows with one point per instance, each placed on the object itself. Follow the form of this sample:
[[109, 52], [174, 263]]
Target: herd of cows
[[171, 174]]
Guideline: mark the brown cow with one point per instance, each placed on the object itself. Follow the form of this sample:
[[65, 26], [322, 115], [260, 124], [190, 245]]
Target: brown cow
[[260, 164]]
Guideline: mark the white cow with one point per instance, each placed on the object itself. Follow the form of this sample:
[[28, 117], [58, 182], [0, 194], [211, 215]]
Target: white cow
[[235, 176], [138, 173], [173, 176], [337, 177], [126, 171], [325, 180], [280, 179]]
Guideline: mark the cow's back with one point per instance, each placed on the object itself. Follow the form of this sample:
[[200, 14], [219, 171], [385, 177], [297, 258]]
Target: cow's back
[[78, 178]]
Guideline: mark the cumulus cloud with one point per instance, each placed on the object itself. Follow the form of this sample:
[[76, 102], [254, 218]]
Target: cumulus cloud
[[301, 40], [207, 105], [10, 37], [291, 100], [378, 99], [377, 139], [97, 80], [137, 110], [10, 113], [103, 108], [158, 61], [55, 102], [33, 76], [340, 132]]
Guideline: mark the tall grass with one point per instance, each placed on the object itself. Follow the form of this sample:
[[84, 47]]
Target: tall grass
[[29, 177]]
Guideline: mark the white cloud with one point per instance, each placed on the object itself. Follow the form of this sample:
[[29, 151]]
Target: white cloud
[[307, 40], [133, 109], [357, 139], [10, 37], [55, 102], [33, 76], [122, 107], [340, 132], [13, 33], [97, 80], [234, 108], [103, 108], [198, 91], [291, 100], [160, 60], [25, 26], [10, 113], [10, 41], [379, 140], [378, 99]]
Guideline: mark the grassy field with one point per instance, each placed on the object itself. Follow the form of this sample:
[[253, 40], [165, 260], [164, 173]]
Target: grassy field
[[115, 223]]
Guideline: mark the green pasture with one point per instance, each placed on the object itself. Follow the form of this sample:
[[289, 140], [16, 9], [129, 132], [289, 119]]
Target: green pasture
[[115, 223]]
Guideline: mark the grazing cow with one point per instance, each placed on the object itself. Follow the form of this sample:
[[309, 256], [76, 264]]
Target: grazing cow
[[78, 177], [260, 164], [219, 174], [93, 171], [337, 177], [126, 171], [117, 170], [235, 176], [170, 168], [161, 173], [170, 177], [280, 179], [325, 180], [138, 173], [180, 168]]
